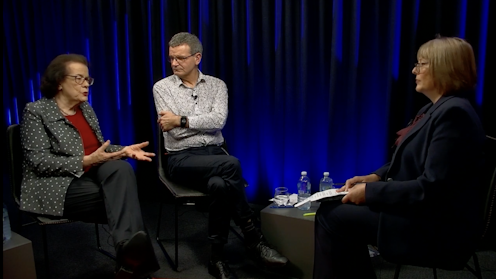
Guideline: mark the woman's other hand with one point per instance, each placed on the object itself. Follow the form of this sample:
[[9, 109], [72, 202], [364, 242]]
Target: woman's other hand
[[135, 151], [100, 156]]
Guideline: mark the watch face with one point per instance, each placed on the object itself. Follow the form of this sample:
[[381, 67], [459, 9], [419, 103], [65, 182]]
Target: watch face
[[183, 121]]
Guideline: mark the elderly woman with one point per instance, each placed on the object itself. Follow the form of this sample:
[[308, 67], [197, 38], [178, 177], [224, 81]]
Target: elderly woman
[[72, 172], [422, 207]]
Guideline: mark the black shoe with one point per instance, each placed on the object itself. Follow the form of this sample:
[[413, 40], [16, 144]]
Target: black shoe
[[220, 270], [268, 256], [136, 258]]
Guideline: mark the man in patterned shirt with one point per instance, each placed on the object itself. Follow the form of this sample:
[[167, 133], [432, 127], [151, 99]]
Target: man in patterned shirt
[[192, 109]]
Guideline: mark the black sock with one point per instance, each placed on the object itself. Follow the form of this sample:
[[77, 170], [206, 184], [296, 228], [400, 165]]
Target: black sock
[[217, 252]]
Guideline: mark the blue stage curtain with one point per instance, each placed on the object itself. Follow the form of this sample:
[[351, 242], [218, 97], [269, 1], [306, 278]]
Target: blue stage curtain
[[313, 85]]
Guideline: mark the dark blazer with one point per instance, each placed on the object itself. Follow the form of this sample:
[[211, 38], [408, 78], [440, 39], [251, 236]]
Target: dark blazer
[[428, 193], [53, 155]]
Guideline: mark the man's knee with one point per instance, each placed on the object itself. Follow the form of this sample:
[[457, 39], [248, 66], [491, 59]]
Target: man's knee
[[232, 162], [217, 186]]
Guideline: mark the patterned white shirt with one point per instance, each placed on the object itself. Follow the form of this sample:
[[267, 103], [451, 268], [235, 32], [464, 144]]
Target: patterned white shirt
[[205, 105]]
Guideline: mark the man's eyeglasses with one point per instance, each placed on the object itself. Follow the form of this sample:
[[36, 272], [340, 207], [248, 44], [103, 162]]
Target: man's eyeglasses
[[179, 59], [420, 65], [80, 79]]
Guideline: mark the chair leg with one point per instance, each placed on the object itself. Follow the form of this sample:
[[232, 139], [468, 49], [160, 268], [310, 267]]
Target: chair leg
[[176, 233], [477, 270], [45, 249], [434, 272], [397, 271], [174, 264]]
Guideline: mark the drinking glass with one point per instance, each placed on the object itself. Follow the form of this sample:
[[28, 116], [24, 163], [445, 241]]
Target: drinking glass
[[281, 196]]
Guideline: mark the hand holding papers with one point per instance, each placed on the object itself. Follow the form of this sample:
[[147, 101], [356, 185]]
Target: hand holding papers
[[331, 194]]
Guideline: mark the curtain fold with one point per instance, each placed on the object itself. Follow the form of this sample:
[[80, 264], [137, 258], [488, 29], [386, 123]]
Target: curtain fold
[[313, 85]]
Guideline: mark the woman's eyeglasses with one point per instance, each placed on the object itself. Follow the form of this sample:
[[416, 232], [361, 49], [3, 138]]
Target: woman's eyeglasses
[[81, 79]]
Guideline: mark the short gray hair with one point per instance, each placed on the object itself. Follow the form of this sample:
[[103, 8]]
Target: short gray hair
[[185, 38]]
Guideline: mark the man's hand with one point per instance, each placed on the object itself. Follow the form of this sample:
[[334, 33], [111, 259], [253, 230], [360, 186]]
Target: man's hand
[[100, 156], [135, 151], [168, 120]]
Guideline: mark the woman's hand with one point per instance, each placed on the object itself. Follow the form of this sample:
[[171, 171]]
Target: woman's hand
[[356, 194], [135, 151], [100, 156], [356, 188]]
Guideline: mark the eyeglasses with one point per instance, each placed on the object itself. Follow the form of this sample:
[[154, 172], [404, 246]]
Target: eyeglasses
[[419, 65], [179, 59], [80, 79]]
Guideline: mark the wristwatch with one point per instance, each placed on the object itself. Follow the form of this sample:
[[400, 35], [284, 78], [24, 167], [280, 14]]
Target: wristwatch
[[183, 121]]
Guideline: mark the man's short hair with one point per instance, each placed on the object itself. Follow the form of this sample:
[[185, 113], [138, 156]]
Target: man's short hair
[[451, 64], [185, 38]]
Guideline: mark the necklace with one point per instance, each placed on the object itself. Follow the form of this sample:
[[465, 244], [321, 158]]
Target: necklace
[[72, 112]]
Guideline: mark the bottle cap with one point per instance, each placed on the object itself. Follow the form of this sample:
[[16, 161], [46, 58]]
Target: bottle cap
[[303, 173], [326, 174]]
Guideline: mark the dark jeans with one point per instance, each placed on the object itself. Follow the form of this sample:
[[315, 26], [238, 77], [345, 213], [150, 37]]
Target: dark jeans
[[342, 232], [106, 194], [209, 170]]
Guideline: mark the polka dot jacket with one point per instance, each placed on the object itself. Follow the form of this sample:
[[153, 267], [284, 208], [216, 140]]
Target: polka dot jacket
[[53, 155]]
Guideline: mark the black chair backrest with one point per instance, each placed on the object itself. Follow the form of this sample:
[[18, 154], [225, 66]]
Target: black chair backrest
[[489, 190], [15, 160]]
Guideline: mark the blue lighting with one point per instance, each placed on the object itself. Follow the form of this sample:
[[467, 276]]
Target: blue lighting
[[189, 16], [87, 53], [463, 18], [278, 23], [116, 57], [357, 30], [397, 39], [128, 66], [417, 3], [338, 29], [482, 52], [248, 41], [16, 112], [162, 38], [31, 89]]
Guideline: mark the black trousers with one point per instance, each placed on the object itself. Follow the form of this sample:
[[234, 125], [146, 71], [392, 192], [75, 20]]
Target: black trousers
[[210, 170], [107, 194], [342, 233]]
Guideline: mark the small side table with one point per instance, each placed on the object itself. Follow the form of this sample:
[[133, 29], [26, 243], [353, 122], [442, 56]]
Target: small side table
[[293, 236], [18, 259]]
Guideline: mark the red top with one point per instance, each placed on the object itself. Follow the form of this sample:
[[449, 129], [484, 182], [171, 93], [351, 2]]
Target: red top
[[90, 141]]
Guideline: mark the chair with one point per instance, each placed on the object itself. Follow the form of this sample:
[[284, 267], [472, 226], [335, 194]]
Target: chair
[[182, 195], [489, 192], [15, 155]]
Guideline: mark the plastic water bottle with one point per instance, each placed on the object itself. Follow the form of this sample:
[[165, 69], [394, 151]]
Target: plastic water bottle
[[304, 190], [7, 234], [326, 182]]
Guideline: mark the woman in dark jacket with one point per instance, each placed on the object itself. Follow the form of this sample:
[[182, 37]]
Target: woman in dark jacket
[[422, 208], [72, 172]]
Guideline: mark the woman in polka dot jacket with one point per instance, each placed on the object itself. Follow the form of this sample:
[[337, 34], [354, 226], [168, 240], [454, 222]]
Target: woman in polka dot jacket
[[69, 169]]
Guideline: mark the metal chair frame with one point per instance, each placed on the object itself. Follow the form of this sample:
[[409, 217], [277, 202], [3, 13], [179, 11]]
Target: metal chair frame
[[490, 201], [182, 195]]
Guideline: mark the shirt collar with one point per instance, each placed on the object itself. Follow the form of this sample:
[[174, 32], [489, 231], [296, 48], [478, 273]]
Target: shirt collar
[[179, 82]]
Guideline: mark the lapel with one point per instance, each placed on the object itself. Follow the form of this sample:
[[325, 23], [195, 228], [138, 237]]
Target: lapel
[[428, 110], [51, 106]]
